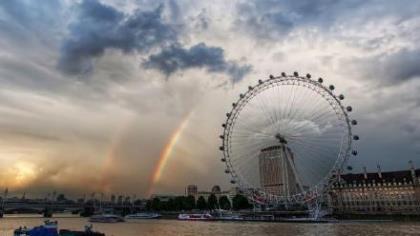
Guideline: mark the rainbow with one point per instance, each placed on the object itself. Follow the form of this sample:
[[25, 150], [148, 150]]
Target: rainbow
[[108, 167], [166, 153]]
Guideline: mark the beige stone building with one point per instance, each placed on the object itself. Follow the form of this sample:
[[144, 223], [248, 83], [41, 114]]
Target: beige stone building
[[394, 192]]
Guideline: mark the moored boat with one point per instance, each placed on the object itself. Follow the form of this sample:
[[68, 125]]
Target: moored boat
[[226, 215], [106, 218], [49, 228], [143, 215], [196, 217]]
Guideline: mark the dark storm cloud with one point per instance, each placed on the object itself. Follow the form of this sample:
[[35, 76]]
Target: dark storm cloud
[[100, 27], [388, 68], [274, 19], [176, 58]]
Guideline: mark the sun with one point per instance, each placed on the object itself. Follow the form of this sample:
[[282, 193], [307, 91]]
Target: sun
[[24, 172]]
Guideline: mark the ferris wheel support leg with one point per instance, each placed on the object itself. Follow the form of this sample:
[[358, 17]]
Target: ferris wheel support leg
[[314, 208]]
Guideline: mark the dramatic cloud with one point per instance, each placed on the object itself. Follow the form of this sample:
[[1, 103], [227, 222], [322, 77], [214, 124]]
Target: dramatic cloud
[[113, 126], [390, 68], [199, 56], [99, 27]]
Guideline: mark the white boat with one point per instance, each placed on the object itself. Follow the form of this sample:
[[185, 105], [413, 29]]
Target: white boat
[[143, 215], [106, 218], [196, 217]]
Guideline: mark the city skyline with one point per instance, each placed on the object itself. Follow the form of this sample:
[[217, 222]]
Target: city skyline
[[129, 96]]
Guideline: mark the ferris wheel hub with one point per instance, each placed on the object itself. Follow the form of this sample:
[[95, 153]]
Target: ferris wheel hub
[[281, 138]]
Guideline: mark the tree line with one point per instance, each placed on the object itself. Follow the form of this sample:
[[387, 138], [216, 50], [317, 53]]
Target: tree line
[[187, 203]]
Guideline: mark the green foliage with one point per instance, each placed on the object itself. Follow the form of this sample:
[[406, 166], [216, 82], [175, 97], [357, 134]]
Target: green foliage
[[212, 202], [61, 197], [224, 203], [156, 204], [201, 203], [189, 203], [240, 202]]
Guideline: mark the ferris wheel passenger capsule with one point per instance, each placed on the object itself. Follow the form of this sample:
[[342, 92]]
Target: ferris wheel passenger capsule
[[233, 181], [223, 159], [228, 114], [320, 80], [354, 153], [221, 136], [356, 137], [283, 74], [295, 74], [341, 97], [260, 81], [227, 171], [271, 76], [241, 95], [331, 87], [250, 87], [308, 76], [349, 108], [221, 148], [354, 122], [233, 104], [224, 125]]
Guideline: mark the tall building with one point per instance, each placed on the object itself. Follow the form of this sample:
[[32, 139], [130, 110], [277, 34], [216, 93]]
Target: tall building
[[393, 192], [276, 172]]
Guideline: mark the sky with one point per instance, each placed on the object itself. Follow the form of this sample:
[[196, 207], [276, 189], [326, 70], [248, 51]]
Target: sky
[[94, 92]]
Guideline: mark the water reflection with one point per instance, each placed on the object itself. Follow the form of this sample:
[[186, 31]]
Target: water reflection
[[173, 227]]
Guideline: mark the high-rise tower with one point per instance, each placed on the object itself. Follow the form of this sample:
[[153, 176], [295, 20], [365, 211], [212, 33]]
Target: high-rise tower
[[277, 175]]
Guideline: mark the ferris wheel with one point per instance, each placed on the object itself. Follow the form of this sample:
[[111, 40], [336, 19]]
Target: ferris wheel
[[286, 139]]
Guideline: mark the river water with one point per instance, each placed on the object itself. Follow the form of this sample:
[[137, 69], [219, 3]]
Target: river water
[[174, 227]]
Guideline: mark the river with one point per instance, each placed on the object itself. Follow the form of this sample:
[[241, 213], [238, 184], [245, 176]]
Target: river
[[174, 227]]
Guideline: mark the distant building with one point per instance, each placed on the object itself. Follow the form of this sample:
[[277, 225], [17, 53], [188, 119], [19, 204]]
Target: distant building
[[216, 189], [191, 190], [164, 197], [394, 192], [276, 172]]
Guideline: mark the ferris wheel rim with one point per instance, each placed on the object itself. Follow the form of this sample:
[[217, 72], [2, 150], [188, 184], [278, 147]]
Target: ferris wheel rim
[[328, 95]]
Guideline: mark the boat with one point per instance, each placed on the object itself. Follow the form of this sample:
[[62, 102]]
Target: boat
[[196, 217], [309, 220], [49, 228], [106, 218], [143, 215], [226, 215], [87, 232]]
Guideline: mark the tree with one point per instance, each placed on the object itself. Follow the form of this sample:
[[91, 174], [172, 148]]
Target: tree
[[148, 205], [156, 204], [179, 203], [189, 203], [61, 197], [212, 202], [171, 205], [240, 202], [201, 203], [224, 203]]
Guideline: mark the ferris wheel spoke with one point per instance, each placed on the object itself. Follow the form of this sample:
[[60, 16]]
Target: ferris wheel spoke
[[268, 120], [300, 103]]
